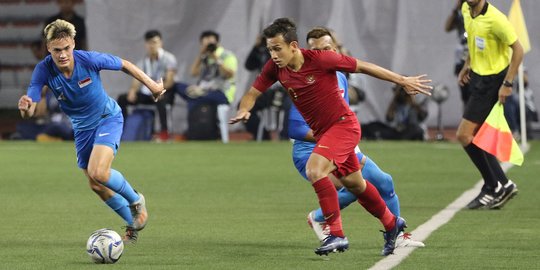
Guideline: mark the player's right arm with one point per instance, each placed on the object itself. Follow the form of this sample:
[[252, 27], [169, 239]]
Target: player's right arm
[[246, 104], [27, 107], [266, 78], [27, 103]]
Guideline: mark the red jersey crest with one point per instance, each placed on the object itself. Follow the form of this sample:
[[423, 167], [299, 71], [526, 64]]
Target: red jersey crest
[[310, 79]]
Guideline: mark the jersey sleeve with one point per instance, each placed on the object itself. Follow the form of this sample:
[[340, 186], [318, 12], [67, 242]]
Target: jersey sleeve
[[343, 85], [39, 79], [504, 31], [267, 77], [334, 61], [106, 61]]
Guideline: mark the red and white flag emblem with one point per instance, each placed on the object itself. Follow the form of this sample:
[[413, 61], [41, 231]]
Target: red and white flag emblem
[[85, 82]]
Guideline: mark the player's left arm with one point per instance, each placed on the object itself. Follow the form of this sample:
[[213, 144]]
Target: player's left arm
[[246, 104], [300, 130], [156, 87], [506, 34], [517, 56], [412, 85], [309, 136]]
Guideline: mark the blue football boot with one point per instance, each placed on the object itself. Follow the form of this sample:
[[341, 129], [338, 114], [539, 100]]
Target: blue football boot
[[390, 236], [332, 244]]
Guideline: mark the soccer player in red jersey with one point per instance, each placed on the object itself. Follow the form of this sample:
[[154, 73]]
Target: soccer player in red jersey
[[310, 79]]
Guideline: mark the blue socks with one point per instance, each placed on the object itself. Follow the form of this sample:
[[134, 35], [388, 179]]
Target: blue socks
[[120, 185], [121, 206]]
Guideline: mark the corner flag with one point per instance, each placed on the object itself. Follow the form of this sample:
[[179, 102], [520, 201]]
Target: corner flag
[[515, 16], [495, 137]]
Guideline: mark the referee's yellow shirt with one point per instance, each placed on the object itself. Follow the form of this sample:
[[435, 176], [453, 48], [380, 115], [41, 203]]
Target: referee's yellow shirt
[[489, 36]]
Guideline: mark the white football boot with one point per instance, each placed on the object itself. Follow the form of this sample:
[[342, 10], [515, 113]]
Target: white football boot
[[404, 240], [140, 215], [321, 229]]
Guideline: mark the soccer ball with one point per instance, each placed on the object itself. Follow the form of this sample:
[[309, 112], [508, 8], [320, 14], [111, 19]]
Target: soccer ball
[[105, 246]]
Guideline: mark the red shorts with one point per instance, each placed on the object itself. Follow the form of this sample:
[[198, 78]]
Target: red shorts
[[337, 144]]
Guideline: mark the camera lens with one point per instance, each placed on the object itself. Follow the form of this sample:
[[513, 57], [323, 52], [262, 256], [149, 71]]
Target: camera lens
[[211, 47]]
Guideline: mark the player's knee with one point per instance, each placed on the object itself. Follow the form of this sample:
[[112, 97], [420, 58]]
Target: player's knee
[[99, 174], [314, 174], [96, 187], [386, 186]]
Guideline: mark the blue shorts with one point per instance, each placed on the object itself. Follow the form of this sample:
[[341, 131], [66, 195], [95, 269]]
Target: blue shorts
[[108, 132]]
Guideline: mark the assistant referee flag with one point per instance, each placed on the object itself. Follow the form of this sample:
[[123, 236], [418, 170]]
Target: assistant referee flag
[[495, 137]]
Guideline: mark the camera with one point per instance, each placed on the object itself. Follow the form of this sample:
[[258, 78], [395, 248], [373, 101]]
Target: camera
[[211, 47]]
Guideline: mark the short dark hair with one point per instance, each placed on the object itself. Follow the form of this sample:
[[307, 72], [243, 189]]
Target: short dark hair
[[319, 32], [209, 33], [150, 34], [282, 26]]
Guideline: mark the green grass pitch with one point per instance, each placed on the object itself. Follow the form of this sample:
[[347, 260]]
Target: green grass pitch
[[243, 206]]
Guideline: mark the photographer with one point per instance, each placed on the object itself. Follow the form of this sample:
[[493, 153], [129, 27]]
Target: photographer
[[215, 67], [405, 115]]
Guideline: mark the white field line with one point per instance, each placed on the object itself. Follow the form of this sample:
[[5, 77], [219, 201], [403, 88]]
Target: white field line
[[444, 216]]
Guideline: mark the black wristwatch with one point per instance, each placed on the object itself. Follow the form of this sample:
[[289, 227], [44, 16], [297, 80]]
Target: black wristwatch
[[508, 84]]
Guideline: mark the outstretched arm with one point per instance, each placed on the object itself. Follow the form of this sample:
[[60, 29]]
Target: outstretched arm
[[412, 85], [27, 107], [246, 104], [156, 87]]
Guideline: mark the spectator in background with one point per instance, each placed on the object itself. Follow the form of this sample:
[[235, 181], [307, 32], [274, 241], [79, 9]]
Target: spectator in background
[[511, 108], [405, 116], [404, 120], [455, 22], [158, 63], [215, 69], [258, 56], [67, 13], [356, 81], [274, 97], [39, 51], [57, 126]]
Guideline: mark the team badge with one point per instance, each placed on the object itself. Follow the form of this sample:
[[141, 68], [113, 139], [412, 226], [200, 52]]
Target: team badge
[[310, 79], [85, 82]]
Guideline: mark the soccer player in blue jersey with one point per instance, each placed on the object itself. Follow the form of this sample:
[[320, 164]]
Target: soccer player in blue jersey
[[320, 38], [73, 77]]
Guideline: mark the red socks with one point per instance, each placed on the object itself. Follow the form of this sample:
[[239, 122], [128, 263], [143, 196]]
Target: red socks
[[328, 200], [371, 200]]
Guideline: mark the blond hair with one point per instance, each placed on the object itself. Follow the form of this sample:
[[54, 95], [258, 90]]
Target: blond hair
[[59, 29]]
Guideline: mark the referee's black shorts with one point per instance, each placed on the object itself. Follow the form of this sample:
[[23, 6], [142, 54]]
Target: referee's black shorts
[[484, 95]]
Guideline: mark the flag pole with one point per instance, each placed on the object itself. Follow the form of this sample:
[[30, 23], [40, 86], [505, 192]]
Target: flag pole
[[522, 114]]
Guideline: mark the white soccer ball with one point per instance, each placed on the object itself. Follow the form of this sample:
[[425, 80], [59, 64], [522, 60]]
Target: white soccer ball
[[105, 246]]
